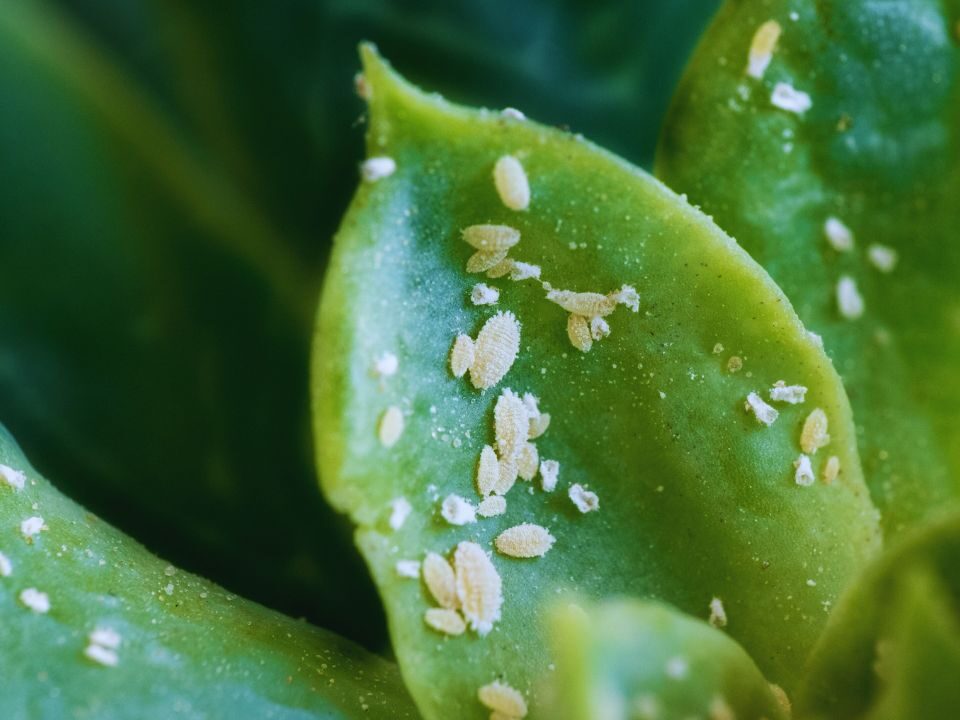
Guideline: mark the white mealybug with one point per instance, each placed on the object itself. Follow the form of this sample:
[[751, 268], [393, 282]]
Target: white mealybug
[[764, 413], [31, 526], [488, 471], [101, 655], [462, 355], [13, 478], [509, 471], [549, 474], [511, 182], [391, 426], [440, 580], [788, 98], [503, 699], [587, 304], [524, 541], [106, 637], [718, 615], [511, 423], [491, 238], [444, 620], [492, 506], [838, 235], [479, 588], [599, 328], [35, 600], [377, 168], [483, 260], [578, 332], [793, 394], [815, 433], [457, 511], [400, 510], [761, 48], [804, 472], [386, 365], [831, 470], [483, 294], [524, 271], [528, 461], [585, 500], [408, 569], [6, 567], [883, 258], [504, 267], [496, 347]]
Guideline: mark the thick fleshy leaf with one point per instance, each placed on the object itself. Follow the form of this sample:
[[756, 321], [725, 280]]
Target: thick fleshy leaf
[[696, 498], [876, 155], [156, 333], [892, 648], [630, 659], [96, 626]]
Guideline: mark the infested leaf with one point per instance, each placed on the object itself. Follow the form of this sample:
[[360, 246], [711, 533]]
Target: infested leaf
[[665, 486], [850, 205], [96, 626], [634, 659]]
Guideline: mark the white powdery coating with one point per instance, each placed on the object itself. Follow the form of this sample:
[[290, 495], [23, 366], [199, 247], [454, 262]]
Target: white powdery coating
[[599, 328], [511, 182], [35, 600], [508, 476], [524, 271], [491, 238], [6, 567], [457, 511], [106, 637], [524, 541], [804, 472], [400, 510], [718, 615], [761, 48], [31, 526], [444, 620], [549, 474], [488, 471], [479, 588], [831, 470], [408, 569], [391, 426], [501, 698], [793, 394], [511, 425], [585, 500], [13, 478], [440, 581], [484, 260], [483, 294], [528, 461], [815, 433], [838, 235], [377, 168], [849, 301], [578, 331], [764, 413], [462, 355], [496, 349], [101, 655], [627, 296], [492, 506], [587, 304], [814, 338], [882, 257], [386, 365], [788, 98], [512, 114]]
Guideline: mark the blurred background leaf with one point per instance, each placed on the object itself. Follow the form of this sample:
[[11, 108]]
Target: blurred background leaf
[[172, 174]]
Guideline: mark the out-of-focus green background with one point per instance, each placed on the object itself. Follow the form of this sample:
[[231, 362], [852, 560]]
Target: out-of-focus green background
[[172, 172]]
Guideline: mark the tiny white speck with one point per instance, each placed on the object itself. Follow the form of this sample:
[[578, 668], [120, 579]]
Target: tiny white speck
[[761, 48], [549, 474], [106, 637], [13, 478], [793, 394], [512, 114], [408, 569], [764, 413], [786, 97], [849, 301], [718, 615], [377, 168], [101, 655], [804, 472], [400, 510], [457, 511], [168, 589], [31, 526], [838, 235], [882, 257], [391, 426], [6, 567], [585, 500], [677, 668], [483, 294], [511, 183], [386, 365], [35, 600], [811, 583]]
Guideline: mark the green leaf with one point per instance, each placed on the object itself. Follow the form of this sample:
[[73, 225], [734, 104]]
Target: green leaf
[[634, 659], [892, 647], [877, 150], [697, 498], [156, 333], [171, 643]]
